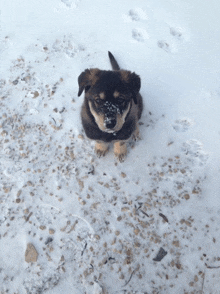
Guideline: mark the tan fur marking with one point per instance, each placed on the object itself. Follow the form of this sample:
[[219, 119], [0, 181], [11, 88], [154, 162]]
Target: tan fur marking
[[120, 150], [116, 94], [99, 119], [93, 75], [136, 134], [125, 74], [101, 148], [102, 95], [121, 118]]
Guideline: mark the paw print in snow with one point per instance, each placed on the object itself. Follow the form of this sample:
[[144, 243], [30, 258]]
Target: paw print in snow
[[164, 45], [194, 151], [179, 34], [182, 125], [136, 14], [176, 32], [70, 3], [67, 46], [139, 35]]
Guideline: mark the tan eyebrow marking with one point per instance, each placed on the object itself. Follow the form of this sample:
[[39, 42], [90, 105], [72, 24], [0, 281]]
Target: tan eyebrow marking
[[116, 94], [102, 95]]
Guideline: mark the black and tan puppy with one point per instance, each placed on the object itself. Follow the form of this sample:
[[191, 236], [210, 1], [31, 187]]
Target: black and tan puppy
[[111, 108]]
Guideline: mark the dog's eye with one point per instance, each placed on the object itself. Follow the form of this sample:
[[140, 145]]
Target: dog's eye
[[98, 101], [120, 101]]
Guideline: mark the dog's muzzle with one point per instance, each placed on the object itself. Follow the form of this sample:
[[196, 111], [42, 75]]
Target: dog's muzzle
[[110, 111], [110, 122]]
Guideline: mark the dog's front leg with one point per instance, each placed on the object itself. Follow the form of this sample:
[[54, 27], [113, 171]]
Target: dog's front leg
[[136, 134], [120, 150], [101, 148]]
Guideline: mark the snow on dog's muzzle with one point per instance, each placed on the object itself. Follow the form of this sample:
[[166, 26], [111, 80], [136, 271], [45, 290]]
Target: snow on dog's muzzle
[[110, 122], [110, 111]]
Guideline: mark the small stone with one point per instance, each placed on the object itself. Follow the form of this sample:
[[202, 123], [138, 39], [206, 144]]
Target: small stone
[[31, 254], [26, 211], [136, 231], [15, 82], [176, 243], [42, 227], [4, 133], [160, 255], [49, 240], [80, 136], [36, 94], [97, 237], [178, 265], [124, 208], [123, 175], [51, 231], [186, 196], [19, 193]]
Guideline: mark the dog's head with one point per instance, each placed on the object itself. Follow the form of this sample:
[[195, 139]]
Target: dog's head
[[110, 95]]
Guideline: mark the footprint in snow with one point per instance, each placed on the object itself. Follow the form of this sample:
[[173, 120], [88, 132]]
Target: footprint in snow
[[176, 32], [139, 34], [70, 3], [194, 150], [136, 14], [164, 45], [182, 125], [67, 45]]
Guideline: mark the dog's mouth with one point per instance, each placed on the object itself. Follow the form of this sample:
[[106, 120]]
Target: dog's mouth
[[110, 131]]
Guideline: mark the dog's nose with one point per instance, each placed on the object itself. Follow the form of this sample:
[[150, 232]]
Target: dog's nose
[[110, 124]]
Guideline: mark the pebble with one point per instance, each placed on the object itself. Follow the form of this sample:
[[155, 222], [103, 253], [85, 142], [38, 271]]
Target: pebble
[[31, 254]]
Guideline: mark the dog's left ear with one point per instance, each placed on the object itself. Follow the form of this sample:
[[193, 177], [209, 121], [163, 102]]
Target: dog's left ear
[[83, 81], [133, 82], [86, 79], [134, 85]]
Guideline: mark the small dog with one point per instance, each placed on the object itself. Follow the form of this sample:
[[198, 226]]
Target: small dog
[[112, 107]]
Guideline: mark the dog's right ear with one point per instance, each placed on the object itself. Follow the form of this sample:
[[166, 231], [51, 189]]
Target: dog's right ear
[[86, 79], [83, 81]]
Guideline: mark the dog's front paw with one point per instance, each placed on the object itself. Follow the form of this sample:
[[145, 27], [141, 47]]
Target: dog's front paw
[[120, 157], [101, 149], [120, 150], [100, 153], [136, 135]]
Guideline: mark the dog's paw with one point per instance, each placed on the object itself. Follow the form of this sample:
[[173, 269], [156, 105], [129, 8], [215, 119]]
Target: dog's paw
[[120, 150], [101, 149], [121, 157], [100, 153], [136, 135]]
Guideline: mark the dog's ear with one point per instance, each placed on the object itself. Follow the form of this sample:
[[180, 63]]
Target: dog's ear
[[83, 81], [86, 79], [133, 82], [134, 85]]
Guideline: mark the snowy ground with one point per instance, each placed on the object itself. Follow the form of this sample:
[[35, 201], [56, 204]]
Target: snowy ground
[[148, 225]]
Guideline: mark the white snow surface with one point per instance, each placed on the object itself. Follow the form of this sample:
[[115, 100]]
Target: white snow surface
[[98, 225]]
